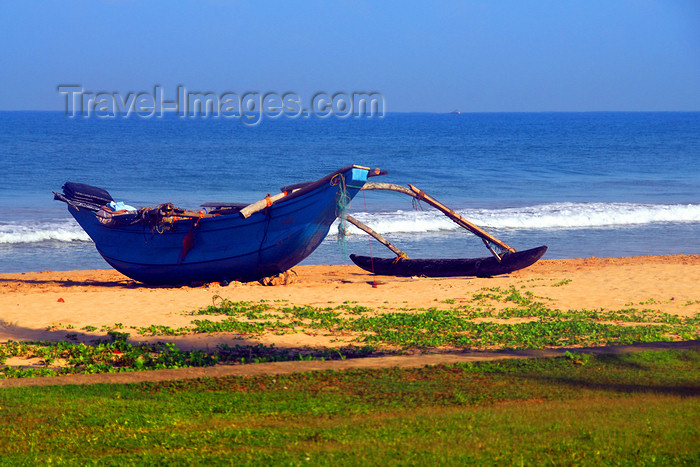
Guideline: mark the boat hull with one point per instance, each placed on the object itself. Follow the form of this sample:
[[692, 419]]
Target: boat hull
[[479, 267], [225, 248]]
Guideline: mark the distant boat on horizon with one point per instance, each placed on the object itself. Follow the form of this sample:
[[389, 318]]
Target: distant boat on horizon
[[456, 112]]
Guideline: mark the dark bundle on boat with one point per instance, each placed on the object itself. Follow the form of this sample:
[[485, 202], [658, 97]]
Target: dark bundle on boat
[[98, 199], [85, 196]]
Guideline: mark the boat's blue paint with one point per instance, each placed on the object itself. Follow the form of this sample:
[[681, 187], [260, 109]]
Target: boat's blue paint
[[228, 247]]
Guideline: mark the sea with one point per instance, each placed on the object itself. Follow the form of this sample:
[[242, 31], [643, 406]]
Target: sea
[[603, 184]]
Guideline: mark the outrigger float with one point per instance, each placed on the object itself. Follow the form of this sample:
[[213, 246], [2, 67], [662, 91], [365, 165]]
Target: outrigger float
[[503, 260]]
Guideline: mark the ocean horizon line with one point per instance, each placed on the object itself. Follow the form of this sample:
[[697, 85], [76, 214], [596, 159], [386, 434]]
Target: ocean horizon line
[[421, 112]]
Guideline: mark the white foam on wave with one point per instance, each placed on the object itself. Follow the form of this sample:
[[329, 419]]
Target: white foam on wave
[[546, 216], [539, 217], [588, 215], [19, 233]]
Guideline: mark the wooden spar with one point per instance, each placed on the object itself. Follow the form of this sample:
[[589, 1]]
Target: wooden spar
[[388, 186], [400, 254], [459, 220], [298, 189], [251, 209], [377, 172], [423, 196]]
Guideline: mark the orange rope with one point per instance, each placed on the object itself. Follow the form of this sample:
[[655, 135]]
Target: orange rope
[[400, 257]]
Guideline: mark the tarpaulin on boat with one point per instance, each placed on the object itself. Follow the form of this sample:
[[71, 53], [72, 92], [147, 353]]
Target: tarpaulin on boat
[[88, 195]]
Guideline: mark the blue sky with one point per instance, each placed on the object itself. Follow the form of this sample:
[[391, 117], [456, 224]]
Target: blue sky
[[480, 56]]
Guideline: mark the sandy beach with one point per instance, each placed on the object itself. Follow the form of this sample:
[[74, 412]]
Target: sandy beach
[[50, 305]]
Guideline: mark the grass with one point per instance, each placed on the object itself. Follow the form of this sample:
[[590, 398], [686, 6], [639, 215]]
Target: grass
[[636, 409]]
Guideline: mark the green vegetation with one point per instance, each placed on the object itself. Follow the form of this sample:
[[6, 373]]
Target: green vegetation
[[474, 324], [562, 282], [57, 358], [491, 318], [65, 358], [635, 409]]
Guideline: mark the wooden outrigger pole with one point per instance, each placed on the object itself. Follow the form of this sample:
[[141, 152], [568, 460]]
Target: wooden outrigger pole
[[399, 254], [420, 195]]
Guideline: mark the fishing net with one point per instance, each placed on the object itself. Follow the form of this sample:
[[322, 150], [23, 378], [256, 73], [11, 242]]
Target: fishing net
[[341, 210]]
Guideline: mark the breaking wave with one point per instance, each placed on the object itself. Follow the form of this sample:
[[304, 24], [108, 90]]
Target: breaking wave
[[18, 233], [539, 217]]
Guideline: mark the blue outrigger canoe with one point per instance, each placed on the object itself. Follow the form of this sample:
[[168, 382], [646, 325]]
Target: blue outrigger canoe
[[221, 243]]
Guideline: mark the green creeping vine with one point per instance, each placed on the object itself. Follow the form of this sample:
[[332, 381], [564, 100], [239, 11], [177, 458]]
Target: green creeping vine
[[493, 317]]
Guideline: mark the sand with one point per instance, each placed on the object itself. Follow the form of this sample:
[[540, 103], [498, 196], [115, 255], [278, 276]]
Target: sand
[[49, 305], [55, 305]]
